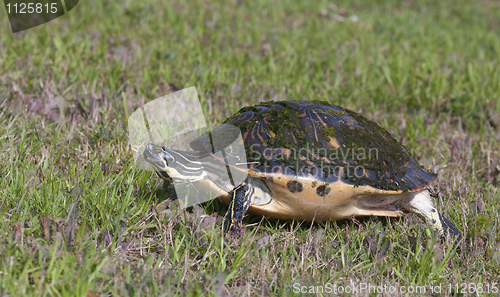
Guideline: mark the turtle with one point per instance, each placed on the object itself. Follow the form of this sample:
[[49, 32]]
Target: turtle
[[309, 161]]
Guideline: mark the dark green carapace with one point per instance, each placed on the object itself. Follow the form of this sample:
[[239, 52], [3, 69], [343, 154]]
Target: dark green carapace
[[314, 138]]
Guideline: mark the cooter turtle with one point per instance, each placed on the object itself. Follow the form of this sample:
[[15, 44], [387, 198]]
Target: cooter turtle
[[311, 161]]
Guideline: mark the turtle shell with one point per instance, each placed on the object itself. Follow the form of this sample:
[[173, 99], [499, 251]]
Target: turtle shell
[[322, 143]]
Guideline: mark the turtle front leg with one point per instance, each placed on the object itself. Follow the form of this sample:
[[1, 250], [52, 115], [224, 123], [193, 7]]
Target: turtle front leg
[[240, 202], [421, 204]]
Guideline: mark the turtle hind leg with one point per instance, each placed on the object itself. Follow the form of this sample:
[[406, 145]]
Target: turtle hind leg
[[422, 205], [240, 202]]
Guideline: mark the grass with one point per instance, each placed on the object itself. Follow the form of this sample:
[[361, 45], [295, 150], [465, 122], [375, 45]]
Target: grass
[[78, 218]]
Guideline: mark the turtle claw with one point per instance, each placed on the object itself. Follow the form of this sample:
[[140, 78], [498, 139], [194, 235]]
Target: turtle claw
[[450, 232], [233, 230]]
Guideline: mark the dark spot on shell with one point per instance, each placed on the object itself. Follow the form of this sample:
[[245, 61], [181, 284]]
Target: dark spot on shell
[[294, 186], [433, 221], [323, 190], [433, 210]]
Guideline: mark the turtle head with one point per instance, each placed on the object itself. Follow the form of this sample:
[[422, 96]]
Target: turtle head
[[172, 164]]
